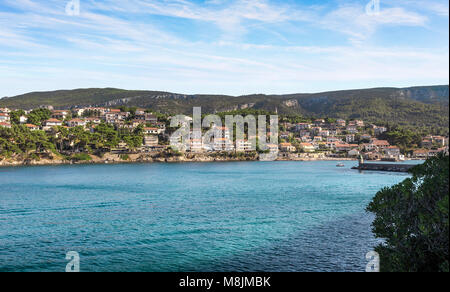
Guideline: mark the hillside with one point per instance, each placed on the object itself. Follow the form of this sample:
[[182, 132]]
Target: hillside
[[425, 106]]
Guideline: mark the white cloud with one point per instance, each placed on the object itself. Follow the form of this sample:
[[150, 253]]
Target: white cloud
[[355, 22], [437, 7], [107, 46]]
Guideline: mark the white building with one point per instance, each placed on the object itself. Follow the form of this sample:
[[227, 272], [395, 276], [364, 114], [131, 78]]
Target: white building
[[4, 117]]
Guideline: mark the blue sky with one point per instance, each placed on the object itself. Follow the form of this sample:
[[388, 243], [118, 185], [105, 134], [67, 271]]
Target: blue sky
[[216, 46]]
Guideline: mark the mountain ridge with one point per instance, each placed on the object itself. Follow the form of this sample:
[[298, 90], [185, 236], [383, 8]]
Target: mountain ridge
[[417, 106]]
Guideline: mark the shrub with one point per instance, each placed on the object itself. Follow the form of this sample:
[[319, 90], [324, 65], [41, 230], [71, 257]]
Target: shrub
[[81, 157], [412, 218]]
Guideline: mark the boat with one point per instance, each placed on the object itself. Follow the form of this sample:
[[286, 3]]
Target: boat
[[340, 164]]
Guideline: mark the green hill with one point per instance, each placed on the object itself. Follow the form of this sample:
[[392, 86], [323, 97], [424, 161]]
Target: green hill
[[425, 106]]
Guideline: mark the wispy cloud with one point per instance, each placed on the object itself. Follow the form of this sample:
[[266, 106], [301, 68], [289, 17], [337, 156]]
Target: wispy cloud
[[355, 22], [247, 46]]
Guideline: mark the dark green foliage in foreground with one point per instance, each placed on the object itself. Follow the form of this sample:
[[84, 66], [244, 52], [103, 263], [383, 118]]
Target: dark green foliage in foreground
[[412, 217]]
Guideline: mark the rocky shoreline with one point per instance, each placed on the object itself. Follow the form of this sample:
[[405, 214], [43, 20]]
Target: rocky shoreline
[[145, 158]]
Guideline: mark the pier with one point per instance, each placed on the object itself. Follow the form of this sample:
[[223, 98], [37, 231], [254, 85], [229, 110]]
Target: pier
[[392, 167]]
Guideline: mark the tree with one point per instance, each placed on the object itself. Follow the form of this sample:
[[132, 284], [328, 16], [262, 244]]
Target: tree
[[412, 218], [15, 116], [37, 116]]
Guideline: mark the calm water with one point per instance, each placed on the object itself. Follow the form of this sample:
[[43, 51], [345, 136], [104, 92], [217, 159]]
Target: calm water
[[250, 216]]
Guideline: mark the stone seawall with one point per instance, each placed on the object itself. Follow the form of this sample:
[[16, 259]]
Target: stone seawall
[[393, 167]]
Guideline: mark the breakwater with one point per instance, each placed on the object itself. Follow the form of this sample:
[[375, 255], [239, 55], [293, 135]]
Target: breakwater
[[393, 167]]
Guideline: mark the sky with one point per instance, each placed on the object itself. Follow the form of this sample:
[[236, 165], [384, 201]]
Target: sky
[[234, 47]]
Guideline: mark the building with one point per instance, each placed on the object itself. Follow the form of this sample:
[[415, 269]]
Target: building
[[307, 147], [76, 123], [373, 155], [151, 140], [392, 151], [161, 126], [146, 117], [223, 144], [195, 145], [439, 140], [344, 147], [151, 131], [365, 137], [49, 107], [352, 129], [93, 120], [140, 111], [5, 125], [376, 145], [273, 148], [116, 116], [79, 112], [316, 130], [350, 138], [244, 146], [32, 127], [341, 123], [287, 147], [4, 117], [319, 122], [223, 132], [53, 123], [427, 143], [333, 139], [59, 114], [317, 139], [421, 153], [379, 130], [302, 126], [353, 153], [306, 138], [285, 135]]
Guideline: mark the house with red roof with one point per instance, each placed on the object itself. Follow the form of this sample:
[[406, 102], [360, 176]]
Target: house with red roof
[[76, 123], [4, 117], [32, 127], [53, 123]]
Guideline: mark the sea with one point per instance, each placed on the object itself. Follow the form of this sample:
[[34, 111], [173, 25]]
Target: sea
[[286, 216]]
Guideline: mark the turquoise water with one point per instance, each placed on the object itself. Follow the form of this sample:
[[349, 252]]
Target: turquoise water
[[249, 216]]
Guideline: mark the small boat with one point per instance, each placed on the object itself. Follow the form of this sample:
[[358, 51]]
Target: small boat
[[340, 164]]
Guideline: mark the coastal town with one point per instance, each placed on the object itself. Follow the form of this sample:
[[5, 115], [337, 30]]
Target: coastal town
[[141, 131]]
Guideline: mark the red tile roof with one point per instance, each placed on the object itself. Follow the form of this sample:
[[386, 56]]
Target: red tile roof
[[53, 121]]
